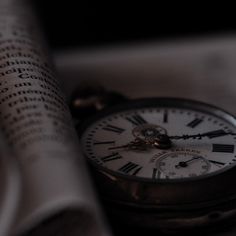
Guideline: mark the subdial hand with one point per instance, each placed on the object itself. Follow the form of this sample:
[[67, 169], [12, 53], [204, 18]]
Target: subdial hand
[[186, 163]]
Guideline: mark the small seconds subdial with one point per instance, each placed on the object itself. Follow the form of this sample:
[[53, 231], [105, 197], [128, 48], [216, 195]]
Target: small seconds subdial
[[182, 165], [123, 141]]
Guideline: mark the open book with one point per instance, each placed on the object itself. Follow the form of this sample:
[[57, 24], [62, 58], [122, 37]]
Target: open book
[[46, 188]]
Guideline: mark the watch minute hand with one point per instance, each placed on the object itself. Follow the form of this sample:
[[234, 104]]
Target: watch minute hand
[[211, 134]]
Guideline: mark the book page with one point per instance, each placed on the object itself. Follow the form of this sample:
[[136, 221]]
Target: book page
[[36, 123]]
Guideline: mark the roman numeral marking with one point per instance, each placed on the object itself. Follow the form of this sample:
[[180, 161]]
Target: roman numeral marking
[[216, 133], [113, 156], [113, 128], [217, 162], [105, 142], [156, 174], [165, 116], [227, 148], [195, 122], [130, 168], [136, 120]]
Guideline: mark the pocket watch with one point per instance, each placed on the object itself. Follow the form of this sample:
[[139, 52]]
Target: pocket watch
[[164, 163]]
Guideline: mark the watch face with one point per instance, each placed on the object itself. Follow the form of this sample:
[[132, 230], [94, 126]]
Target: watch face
[[161, 139]]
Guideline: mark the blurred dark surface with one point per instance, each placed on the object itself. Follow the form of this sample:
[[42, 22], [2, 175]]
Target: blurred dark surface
[[88, 24]]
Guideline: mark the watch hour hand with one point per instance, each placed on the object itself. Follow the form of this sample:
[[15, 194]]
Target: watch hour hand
[[160, 142], [137, 144]]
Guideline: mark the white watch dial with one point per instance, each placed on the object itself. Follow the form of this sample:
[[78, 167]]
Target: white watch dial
[[122, 142]]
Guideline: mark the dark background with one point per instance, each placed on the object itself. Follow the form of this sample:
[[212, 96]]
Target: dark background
[[88, 24]]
